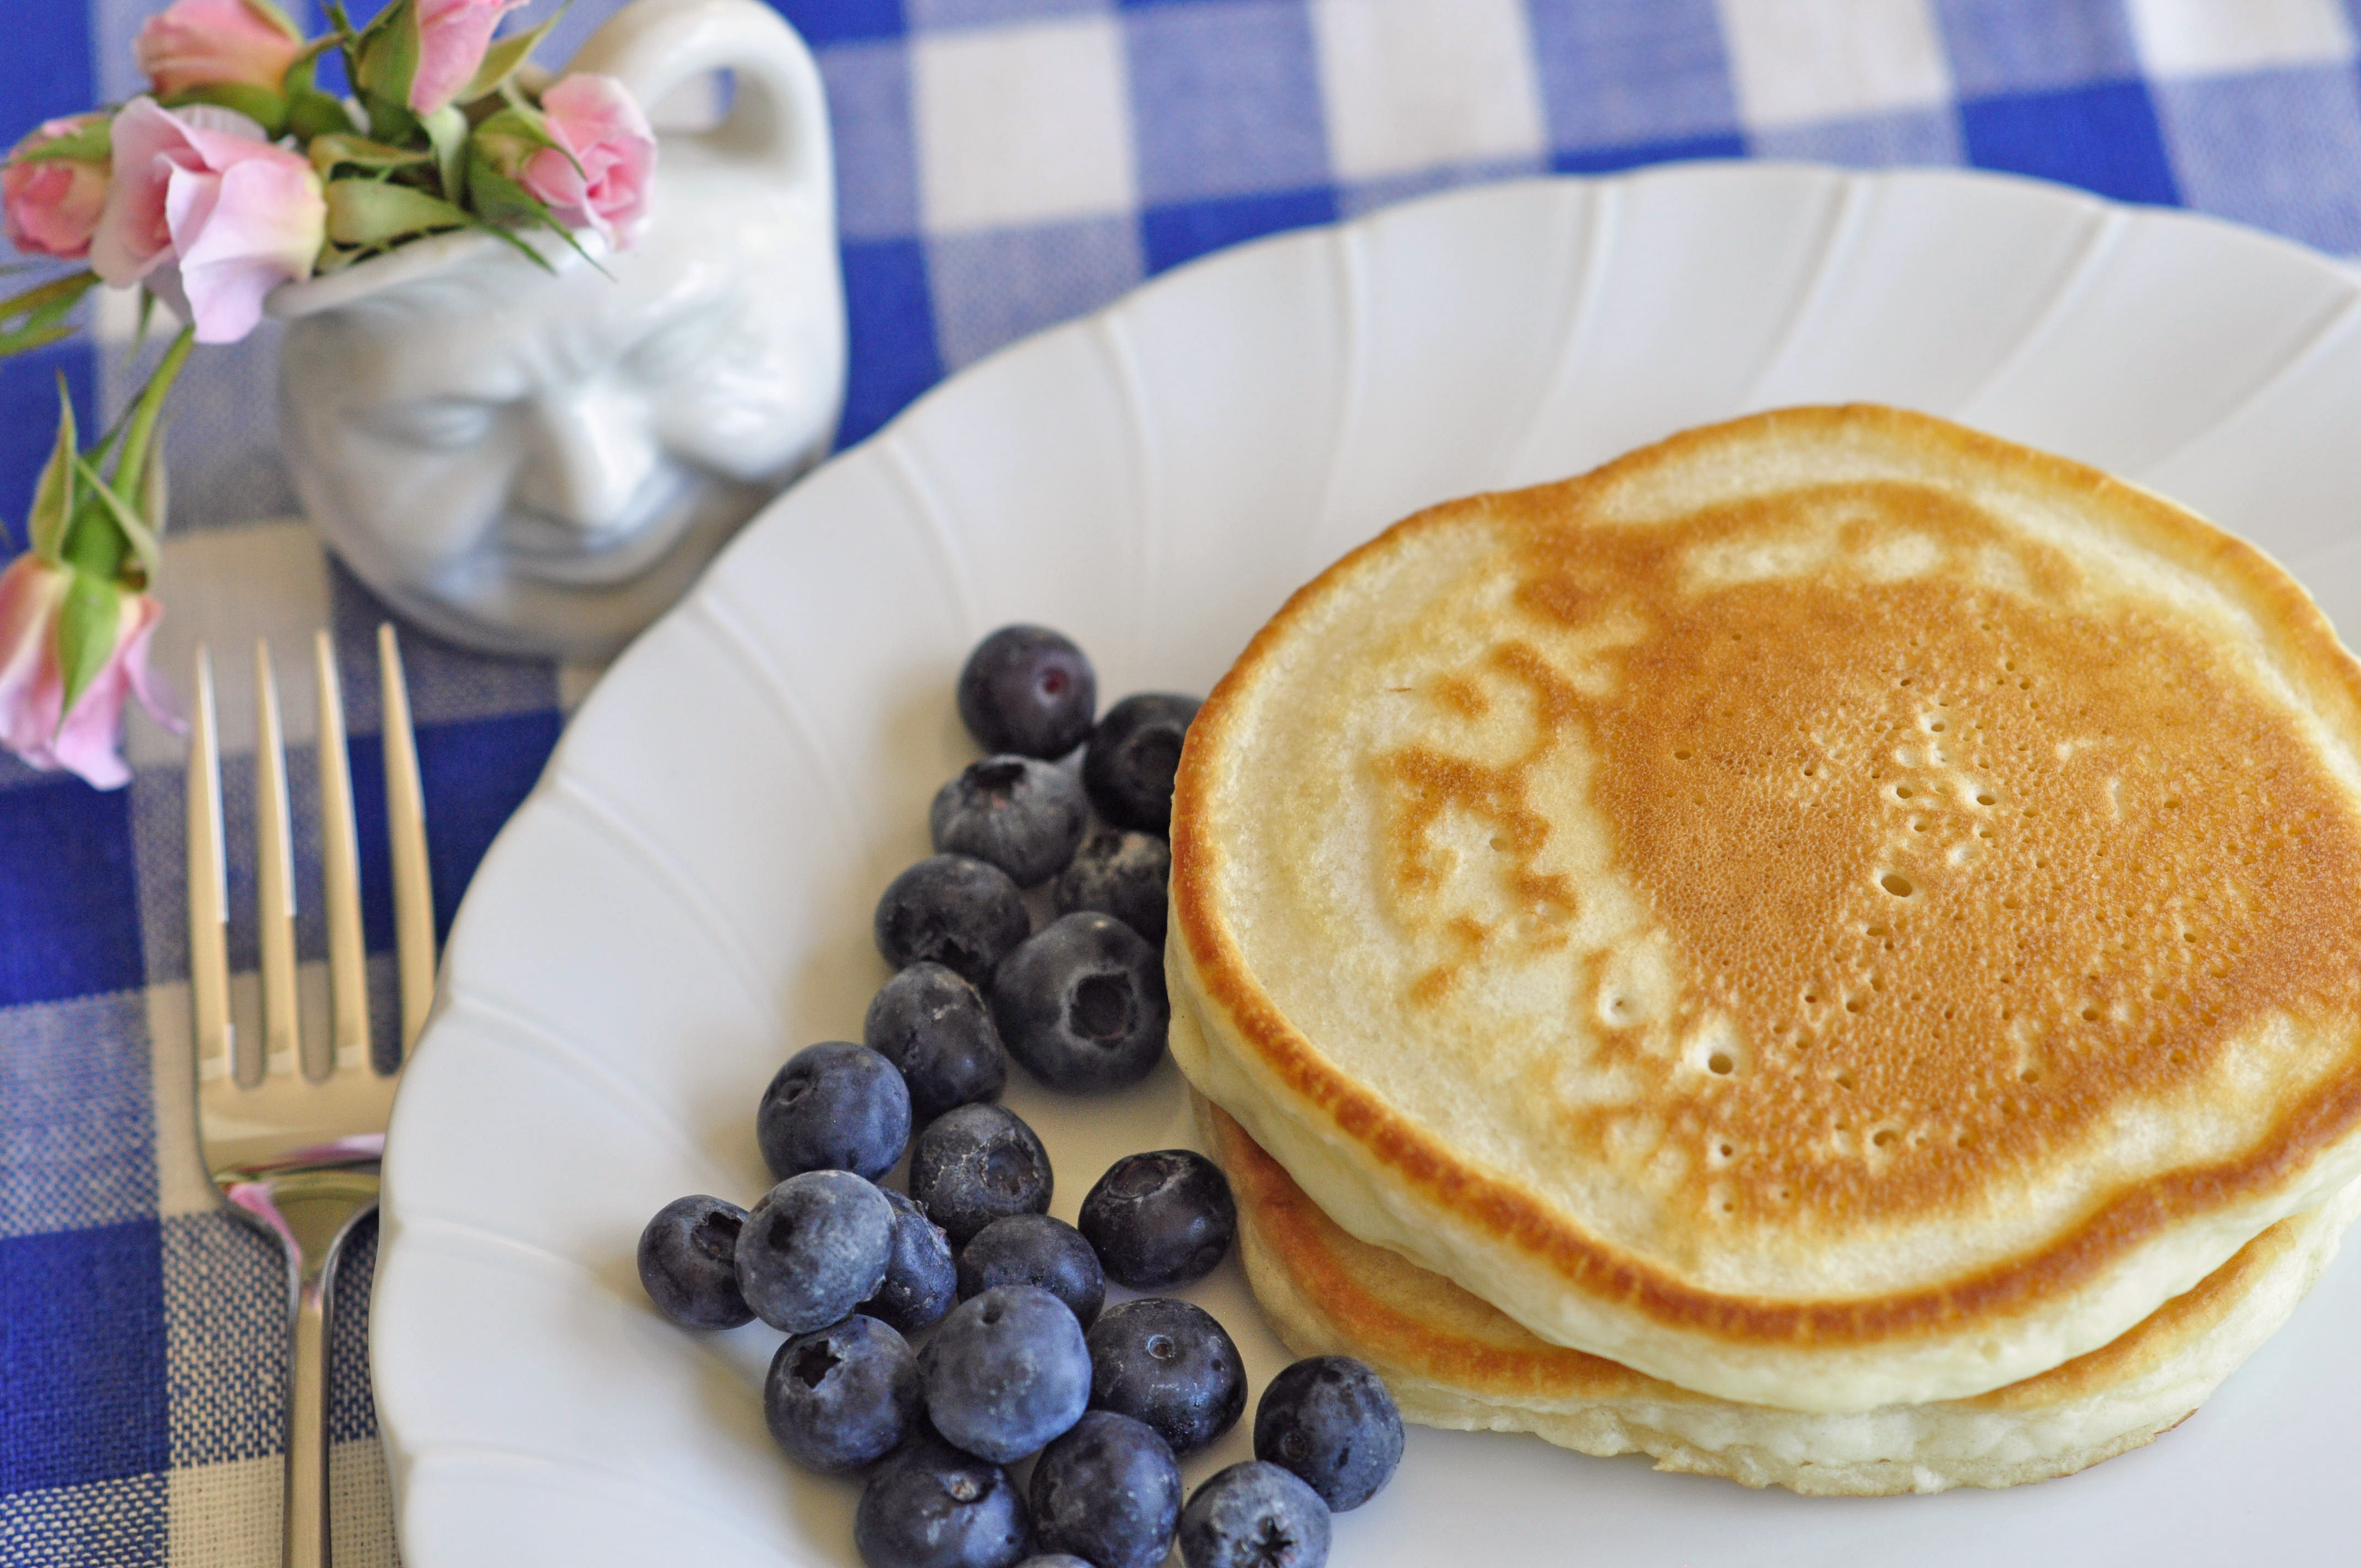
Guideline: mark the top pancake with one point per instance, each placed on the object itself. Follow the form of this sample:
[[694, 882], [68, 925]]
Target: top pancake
[[1830, 910]]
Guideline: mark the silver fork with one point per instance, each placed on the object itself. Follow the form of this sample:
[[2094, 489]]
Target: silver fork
[[297, 1153]]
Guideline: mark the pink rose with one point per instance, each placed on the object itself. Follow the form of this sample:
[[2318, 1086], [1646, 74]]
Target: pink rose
[[50, 208], [32, 684], [206, 43], [451, 38], [596, 119], [199, 187]]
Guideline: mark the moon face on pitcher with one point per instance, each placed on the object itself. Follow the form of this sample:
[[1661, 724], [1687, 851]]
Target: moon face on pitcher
[[541, 465], [540, 460]]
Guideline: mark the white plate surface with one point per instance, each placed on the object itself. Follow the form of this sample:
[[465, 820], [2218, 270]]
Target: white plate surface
[[685, 898]]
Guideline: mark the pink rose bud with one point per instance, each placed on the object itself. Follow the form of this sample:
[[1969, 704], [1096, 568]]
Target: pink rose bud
[[199, 187], [32, 684], [50, 208], [209, 43], [596, 119], [451, 38]]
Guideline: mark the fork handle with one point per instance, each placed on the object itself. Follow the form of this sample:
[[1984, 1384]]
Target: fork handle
[[315, 1211], [307, 1544]]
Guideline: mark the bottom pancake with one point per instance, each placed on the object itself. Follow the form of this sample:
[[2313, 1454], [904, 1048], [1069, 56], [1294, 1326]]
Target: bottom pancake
[[1454, 1361]]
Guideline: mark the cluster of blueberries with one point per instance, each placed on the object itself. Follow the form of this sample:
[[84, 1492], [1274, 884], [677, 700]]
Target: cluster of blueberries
[[1022, 1360]]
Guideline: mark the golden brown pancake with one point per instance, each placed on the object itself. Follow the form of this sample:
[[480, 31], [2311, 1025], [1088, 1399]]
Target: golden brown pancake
[[1831, 910], [1451, 1361]]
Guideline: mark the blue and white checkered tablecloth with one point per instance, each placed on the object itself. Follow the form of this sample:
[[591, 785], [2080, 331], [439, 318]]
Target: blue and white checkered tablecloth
[[1003, 164]]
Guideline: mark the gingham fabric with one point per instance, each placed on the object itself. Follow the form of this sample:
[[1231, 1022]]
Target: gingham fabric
[[1003, 164]]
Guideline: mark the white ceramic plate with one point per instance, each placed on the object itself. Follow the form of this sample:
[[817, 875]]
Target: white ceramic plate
[[685, 898]]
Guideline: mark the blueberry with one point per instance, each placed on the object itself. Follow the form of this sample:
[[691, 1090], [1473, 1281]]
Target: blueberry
[[954, 910], [843, 1396], [1122, 873], [1160, 1220], [835, 1106], [1006, 1372], [976, 1163], [930, 1506], [934, 1025], [1054, 1560], [1168, 1364], [689, 1263], [1022, 815], [1082, 1003], [1133, 754], [1028, 689], [1254, 1516], [813, 1248], [921, 1281], [1107, 1491], [1333, 1423], [1033, 1249]]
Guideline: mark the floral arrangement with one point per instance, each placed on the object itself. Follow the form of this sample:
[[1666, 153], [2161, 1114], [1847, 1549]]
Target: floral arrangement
[[236, 173]]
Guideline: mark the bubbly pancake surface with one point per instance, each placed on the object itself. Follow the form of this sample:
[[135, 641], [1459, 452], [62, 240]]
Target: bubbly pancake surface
[[1830, 910]]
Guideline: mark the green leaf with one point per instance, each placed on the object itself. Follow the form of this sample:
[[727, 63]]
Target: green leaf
[[511, 138], [528, 252], [56, 296], [507, 56], [93, 542], [386, 52], [53, 492], [340, 29], [446, 128], [24, 339], [85, 633], [155, 499], [341, 150], [503, 144], [135, 530], [514, 132], [504, 202], [106, 443], [41, 313], [311, 113], [138, 429], [146, 318], [389, 119], [260, 105], [94, 143], [495, 196], [373, 213]]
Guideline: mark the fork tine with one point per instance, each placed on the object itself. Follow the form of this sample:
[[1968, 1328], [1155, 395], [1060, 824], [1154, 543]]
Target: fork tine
[[405, 822], [208, 894], [274, 843], [340, 855]]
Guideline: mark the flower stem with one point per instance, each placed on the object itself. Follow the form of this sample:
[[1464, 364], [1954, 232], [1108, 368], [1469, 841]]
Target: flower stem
[[130, 472]]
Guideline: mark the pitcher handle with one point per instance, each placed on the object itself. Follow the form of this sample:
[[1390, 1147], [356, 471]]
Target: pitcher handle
[[779, 114]]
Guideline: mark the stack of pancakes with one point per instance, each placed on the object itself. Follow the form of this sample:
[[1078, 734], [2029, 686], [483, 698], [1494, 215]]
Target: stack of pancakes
[[1823, 952]]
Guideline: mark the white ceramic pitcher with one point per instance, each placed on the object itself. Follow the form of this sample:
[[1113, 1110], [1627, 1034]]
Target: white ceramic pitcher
[[539, 463]]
